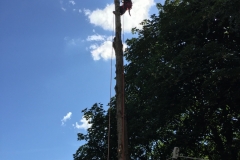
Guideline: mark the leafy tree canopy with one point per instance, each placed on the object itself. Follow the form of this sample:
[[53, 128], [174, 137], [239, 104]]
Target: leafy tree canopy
[[182, 85]]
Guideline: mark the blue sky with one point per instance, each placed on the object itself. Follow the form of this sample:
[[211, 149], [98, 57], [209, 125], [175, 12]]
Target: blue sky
[[54, 62]]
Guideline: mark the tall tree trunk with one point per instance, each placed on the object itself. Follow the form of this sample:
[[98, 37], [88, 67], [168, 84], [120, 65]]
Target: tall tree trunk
[[119, 88]]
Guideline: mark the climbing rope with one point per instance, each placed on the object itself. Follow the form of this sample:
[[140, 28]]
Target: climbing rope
[[110, 104], [123, 112], [123, 29]]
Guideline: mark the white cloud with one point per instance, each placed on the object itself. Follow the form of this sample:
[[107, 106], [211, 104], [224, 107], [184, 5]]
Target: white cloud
[[65, 118], [69, 5], [104, 17], [73, 42], [96, 38], [103, 51], [102, 47], [86, 12], [72, 2], [85, 124]]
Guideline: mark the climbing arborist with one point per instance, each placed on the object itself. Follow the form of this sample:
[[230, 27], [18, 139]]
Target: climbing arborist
[[127, 5]]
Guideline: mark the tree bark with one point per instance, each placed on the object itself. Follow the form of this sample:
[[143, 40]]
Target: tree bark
[[119, 88]]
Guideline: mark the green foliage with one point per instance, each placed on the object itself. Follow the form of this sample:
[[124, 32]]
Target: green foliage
[[184, 72], [97, 136], [182, 85]]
